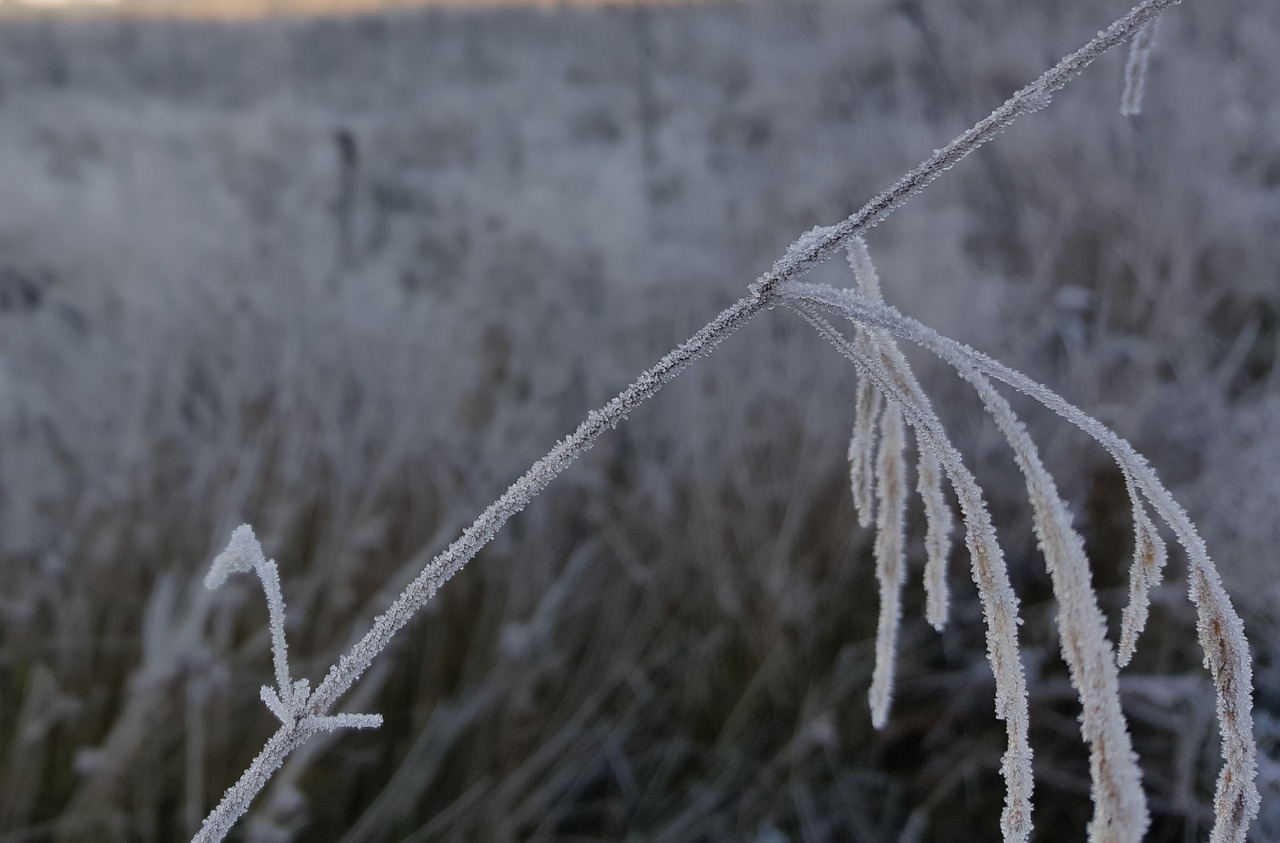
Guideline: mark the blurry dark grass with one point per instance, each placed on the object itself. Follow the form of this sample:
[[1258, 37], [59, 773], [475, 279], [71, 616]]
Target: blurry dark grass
[[673, 642]]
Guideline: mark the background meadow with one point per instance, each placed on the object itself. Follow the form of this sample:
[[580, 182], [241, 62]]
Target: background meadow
[[346, 278]]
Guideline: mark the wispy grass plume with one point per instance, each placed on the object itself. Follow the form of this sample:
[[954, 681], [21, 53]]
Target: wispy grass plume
[[1117, 795]]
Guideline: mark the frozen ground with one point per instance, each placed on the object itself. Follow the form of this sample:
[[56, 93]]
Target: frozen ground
[[345, 279]]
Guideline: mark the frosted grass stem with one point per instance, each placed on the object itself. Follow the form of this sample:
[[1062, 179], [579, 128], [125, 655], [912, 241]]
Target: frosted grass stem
[[801, 257]]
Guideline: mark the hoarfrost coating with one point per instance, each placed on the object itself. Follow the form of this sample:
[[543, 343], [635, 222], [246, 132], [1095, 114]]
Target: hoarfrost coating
[[1120, 810]]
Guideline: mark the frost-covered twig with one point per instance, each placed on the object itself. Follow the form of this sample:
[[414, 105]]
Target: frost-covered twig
[[289, 701], [243, 554], [306, 712]]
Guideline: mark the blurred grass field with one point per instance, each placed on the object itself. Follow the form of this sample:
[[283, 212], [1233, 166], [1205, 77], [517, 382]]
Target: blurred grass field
[[345, 278], [256, 10]]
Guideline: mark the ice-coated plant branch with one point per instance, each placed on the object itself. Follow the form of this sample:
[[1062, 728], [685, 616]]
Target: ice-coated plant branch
[[290, 700], [888, 401]]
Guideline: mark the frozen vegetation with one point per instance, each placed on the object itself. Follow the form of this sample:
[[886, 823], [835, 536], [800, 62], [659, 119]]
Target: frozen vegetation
[[345, 280]]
